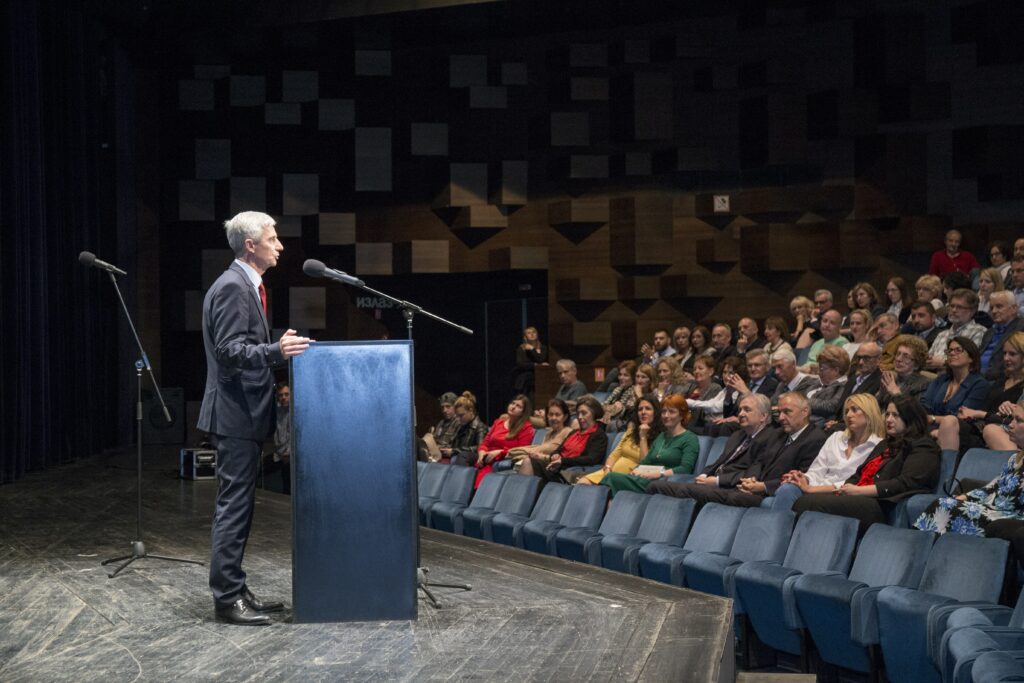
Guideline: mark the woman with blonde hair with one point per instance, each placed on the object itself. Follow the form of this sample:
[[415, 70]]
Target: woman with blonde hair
[[802, 309], [471, 430], [988, 281], [844, 451], [859, 321], [929, 288], [670, 378]]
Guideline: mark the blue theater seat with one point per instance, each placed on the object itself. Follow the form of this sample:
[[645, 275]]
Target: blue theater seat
[[507, 527], [822, 544], [999, 667], [968, 645], [958, 652], [583, 544], [583, 509], [980, 464], [713, 531], [909, 509], [516, 498], [430, 486], [666, 521], [449, 516], [457, 488]]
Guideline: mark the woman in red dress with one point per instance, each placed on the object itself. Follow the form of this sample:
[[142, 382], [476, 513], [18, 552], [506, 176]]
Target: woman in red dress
[[509, 431]]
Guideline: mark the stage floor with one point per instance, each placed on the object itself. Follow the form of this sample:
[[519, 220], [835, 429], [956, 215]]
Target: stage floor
[[528, 617]]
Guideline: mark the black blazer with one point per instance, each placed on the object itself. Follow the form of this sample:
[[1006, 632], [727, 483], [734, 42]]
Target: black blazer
[[730, 470], [870, 385], [780, 459], [995, 363], [914, 470], [239, 398]]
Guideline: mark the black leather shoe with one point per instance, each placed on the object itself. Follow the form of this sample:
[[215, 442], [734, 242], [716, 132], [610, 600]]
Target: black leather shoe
[[258, 605], [239, 612]]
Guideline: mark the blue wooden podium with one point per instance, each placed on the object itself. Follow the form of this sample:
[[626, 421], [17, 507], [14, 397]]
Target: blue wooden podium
[[354, 511]]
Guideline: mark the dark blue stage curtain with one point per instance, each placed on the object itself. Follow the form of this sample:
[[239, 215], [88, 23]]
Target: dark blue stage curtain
[[58, 335]]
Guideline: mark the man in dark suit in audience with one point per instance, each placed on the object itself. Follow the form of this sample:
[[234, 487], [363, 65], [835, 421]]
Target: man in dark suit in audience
[[749, 336], [721, 342], [238, 406], [867, 380], [756, 439], [1006, 320]]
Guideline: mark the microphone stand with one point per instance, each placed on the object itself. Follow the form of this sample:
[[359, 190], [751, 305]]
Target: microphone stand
[[138, 546], [409, 311]]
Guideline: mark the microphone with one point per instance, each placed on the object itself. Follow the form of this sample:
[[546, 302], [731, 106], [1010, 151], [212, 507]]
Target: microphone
[[87, 258], [314, 268]]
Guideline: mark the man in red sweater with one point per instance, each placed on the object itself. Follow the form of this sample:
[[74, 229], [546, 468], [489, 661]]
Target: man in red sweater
[[951, 259]]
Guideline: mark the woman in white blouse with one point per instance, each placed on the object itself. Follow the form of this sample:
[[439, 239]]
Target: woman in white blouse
[[844, 451]]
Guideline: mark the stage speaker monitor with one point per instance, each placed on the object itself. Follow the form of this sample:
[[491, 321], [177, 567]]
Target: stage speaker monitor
[[198, 463], [155, 428]]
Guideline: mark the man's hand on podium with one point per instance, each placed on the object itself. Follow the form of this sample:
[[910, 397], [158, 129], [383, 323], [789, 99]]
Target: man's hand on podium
[[293, 345]]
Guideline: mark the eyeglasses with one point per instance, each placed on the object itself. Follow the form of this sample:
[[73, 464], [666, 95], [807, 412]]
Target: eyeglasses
[[874, 357], [950, 350], [959, 307]]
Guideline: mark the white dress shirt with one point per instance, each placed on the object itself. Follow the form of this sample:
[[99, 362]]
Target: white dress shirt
[[832, 467]]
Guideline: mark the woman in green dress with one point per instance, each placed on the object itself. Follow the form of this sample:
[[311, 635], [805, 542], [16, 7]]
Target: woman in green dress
[[675, 449]]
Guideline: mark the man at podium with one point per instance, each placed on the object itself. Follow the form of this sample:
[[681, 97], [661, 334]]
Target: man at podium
[[238, 406]]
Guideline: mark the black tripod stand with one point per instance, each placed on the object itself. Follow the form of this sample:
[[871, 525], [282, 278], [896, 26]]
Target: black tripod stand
[[138, 546]]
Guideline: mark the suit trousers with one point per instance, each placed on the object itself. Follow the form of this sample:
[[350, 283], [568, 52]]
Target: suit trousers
[[706, 493], [237, 464]]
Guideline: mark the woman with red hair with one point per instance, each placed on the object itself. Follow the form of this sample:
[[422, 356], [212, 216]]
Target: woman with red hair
[[674, 451]]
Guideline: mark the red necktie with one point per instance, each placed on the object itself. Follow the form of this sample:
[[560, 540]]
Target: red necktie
[[263, 298]]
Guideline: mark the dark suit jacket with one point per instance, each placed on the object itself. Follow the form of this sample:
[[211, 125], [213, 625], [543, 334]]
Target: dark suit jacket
[[913, 470], [870, 385], [239, 398], [995, 364], [780, 459], [729, 472]]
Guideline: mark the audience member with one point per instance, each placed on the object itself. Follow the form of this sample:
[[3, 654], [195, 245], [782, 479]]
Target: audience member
[[721, 342], [905, 378], [758, 379], [865, 296], [720, 413], [811, 331], [700, 342], [964, 430], [866, 379], [704, 389], [802, 310], [557, 430], [641, 431], [749, 338], [529, 354], [844, 451], [776, 335], [282, 455], [673, 451], [586, 445], [644, 382], [999, 256], [436, 443], [753, 441], [972, 512], [885, 330], [922, 322], [511, 430], [897, 293], [990, 280], [952, 281], [905, 463], [831, 323], [1017, 283], [789, 376], [952, 258], [961, 384], [670, 379], [860, 321], [619, 404], [681, 343], [1005, 321], [824, 400], [662, 347], [470, 433], [963, 304]]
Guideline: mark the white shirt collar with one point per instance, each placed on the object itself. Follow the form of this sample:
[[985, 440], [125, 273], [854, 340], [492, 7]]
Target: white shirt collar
[[253, 276], [796, 435]]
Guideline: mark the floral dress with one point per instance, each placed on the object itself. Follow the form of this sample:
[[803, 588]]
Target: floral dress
[[1001, 498]]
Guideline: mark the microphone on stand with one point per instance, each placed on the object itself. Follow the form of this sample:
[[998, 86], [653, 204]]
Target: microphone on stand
[[314, 268], [87, 258]]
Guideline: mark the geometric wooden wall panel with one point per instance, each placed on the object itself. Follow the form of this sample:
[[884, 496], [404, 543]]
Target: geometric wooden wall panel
[[773, 248], [421, 256], [246, 194], [195, 200], [640, 234], [373, 159], [577, 219], [518, 258], [374, 258], [300, 194], [307, 308], [337, 229]]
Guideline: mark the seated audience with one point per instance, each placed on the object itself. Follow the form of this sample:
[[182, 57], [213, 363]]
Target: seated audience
[[776, 335], [661, 348], [721, 342], [952, 258], [721, 412], [906, 462], [471, 431], [929, 288], [866, 378], [642, 430], [755, 440], [529, 354], [905, 378], [859, 321], [511, 430], [812, 331], [964, 430], [831, 324], [705, 388], [999, 256], [960, 385], [897, 294], [990, 280], [569, 390], [281, 457], [844, 451], [885, 330], [802, 310], [619, 404], [674, 450], [1005, 321], [748, 338], [681, 343], [557, 430], [586, 445], [865, 296], [824, 400], [789, 376], [436, 443], [700, 342], [758, 378], [973, 512], [670, 379], [963, 304], [1017, 282], [922, 322]]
